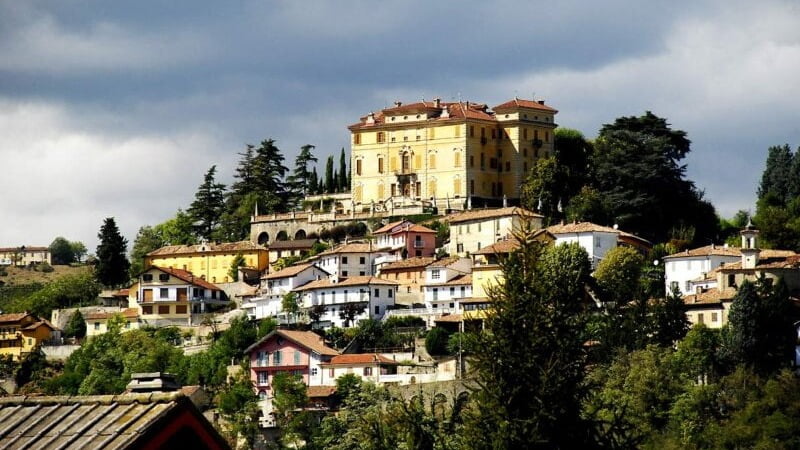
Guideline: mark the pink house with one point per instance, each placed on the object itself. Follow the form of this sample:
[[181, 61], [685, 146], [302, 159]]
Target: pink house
[[296, 352], [406, 239]]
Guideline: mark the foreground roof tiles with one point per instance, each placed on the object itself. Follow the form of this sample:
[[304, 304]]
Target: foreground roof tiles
[[101, 421]]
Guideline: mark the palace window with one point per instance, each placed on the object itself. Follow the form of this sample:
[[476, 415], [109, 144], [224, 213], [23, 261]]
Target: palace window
[[381, 137], [358, 167]]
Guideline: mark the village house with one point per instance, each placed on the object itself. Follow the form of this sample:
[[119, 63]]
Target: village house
[[297, 248], [21, 333], [343, 302], [710, 306], [285, 351], [209, 261], [275, 286], [446, 282], [410, 276], [404, 239], [473, 230], [597, 240], [97, 322], [24, 256], [368, 366], [168, 296], [350, 259]]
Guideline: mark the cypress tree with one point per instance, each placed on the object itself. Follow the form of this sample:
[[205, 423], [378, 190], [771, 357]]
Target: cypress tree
[[330, 182], [343, 184], [112, 264]]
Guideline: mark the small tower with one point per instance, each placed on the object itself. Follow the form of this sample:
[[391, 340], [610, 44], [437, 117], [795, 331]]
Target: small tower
[[749, 250]]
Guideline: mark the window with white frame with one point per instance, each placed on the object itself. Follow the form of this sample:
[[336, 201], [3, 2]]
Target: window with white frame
[[435, 274]]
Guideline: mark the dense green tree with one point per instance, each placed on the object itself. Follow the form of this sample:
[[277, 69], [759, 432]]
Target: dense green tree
[[330, 181], [775, 179], [619, 274], [436, 341], [794, 176], [259, 184], [290, 305], [112, 264], [668, 319], [208, 204], [350, 311], [532, 364], [147, 239], [237, 262], [238, 405], [760, 333], [553, 182], [61, 251], [642, 181], [78, 250], [76, 327]]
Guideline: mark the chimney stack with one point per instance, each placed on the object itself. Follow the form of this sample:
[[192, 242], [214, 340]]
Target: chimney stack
[[152, 382]]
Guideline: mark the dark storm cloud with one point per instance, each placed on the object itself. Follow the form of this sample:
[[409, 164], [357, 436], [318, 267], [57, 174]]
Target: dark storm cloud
[[137, 99]]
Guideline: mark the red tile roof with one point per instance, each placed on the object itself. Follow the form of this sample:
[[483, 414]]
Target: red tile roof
[[415, 262], [307, 339], [519, 103], [292, 245], [320, 391], [353, 247], [500, 247], [361, 358], [350, 281], [16, 317], [224, 247], [187, 277], [128, 313]]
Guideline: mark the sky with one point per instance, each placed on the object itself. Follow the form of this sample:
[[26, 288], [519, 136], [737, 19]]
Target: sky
[[117, 109]]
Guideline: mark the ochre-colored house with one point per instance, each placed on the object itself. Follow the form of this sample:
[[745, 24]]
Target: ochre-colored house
[[209, 261], [21, 333]]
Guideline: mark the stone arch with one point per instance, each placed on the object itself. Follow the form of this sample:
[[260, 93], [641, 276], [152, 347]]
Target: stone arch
[[282, 236], [300, 234], [263, 238], [439, 405]]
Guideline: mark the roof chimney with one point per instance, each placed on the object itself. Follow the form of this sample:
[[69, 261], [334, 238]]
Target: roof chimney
[[153, 382], [398, 104], [437, 102], [541, 102]]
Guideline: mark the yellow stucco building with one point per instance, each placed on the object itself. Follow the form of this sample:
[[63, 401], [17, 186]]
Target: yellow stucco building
[[21, 333], [209, 261], [439, 150]]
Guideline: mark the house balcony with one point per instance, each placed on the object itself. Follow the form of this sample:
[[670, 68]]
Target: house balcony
[[419, 244], [269, 365]]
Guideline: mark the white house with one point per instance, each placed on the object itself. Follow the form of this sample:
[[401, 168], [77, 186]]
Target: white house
[[275, 285], [687, 270], [597, 240], [349, 260], [370, 295], [472, 230], [446, 282]]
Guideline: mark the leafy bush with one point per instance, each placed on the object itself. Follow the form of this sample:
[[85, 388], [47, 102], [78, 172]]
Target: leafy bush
[[436, 341], [45, 268]]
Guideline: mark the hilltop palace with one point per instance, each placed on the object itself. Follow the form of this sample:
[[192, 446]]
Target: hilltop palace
[[428, 156]]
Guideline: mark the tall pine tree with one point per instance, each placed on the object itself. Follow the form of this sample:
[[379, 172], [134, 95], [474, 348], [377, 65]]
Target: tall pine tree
[[208, 205], [112, 264], [531, 366], [300, 181], [313, 182]]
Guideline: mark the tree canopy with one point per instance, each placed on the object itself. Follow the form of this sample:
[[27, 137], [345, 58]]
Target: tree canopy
[[208, 205], [112, 264]]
